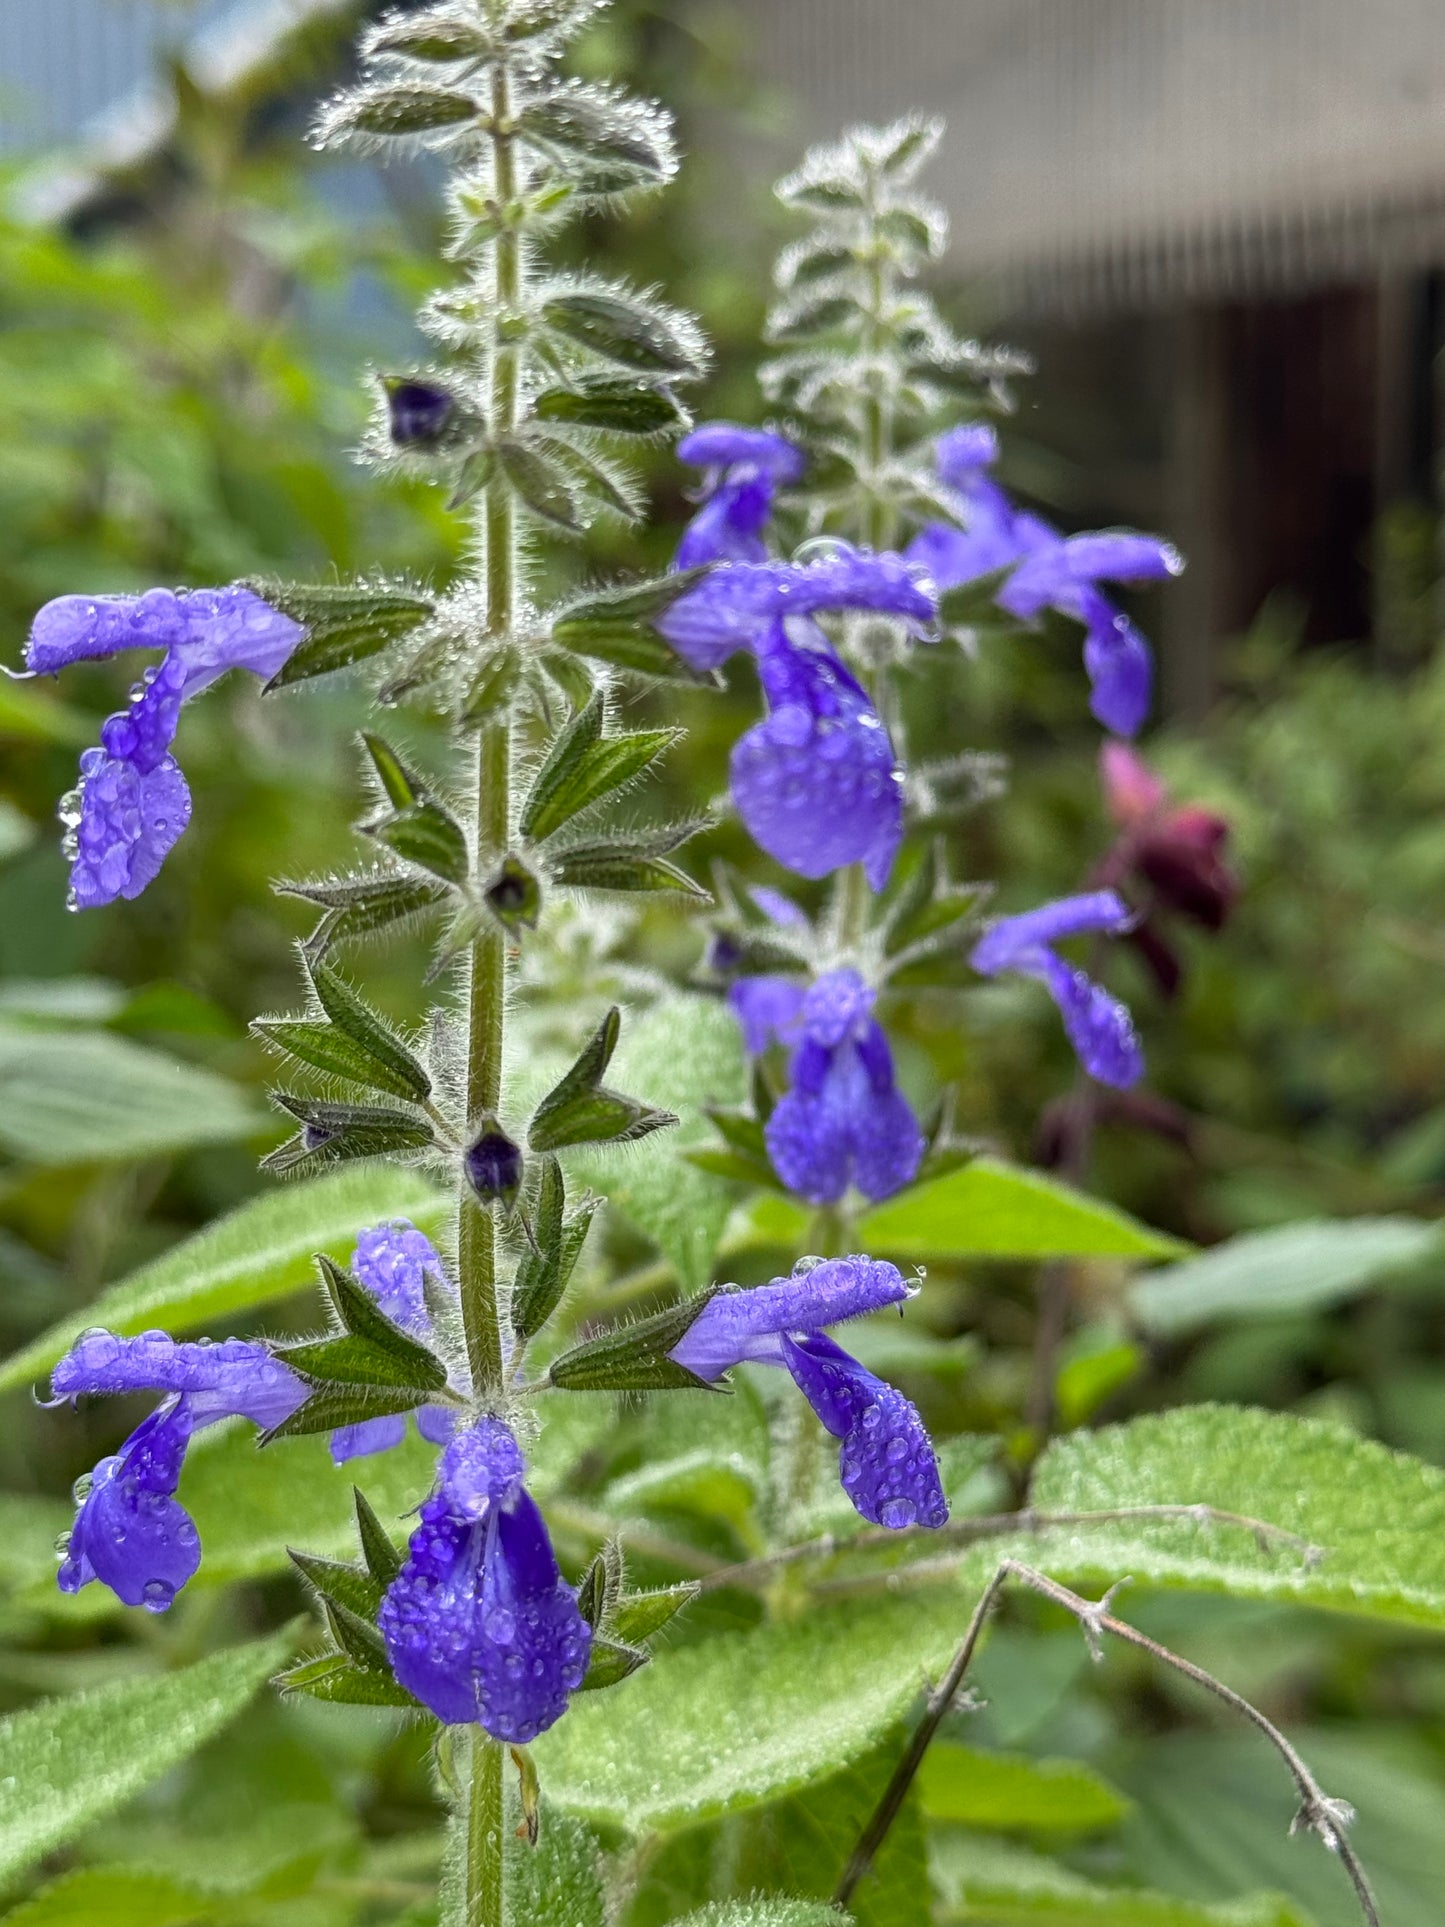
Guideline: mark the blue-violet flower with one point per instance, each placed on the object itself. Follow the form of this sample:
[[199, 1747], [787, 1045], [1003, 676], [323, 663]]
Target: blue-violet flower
[[1099, 1026], [745, 468], [130, 1531], [1048, 571], [132, 802], [843, 1120], [479, 1623], [817, 782], [392, 1260], [886, 1461]]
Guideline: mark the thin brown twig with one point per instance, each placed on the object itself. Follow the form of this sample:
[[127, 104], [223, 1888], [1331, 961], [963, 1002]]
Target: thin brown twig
[[1318, 1812], [995, 1525]]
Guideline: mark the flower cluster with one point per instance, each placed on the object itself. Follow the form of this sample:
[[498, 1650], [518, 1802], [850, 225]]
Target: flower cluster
[[479, 1624], [132, 802]]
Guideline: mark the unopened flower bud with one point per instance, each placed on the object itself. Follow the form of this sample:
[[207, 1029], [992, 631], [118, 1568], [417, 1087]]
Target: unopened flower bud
[[494, 1166], [419, 411]]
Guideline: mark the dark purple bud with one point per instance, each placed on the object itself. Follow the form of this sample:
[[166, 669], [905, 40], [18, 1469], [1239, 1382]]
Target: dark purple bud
[[514, 896], [1183, 857], [494, 1166], [419, 410]]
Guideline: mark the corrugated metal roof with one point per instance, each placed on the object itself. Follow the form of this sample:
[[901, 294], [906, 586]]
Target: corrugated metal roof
[[1122, 151]]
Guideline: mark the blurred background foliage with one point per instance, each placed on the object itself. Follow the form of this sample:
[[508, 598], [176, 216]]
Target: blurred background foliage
[[178, 395]]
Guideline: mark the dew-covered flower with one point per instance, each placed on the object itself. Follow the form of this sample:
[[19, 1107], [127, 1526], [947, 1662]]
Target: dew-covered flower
[[393, 1261], [1048, 571], [886, 1461], [132, 802], [1099, 1026], [479, 1623], [817, 782], [743, 470], [843, 1120], [130, 1531]]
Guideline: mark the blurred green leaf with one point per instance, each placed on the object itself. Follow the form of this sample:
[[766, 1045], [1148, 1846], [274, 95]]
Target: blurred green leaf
[[67, 1762], [1270, 1274], [256, 1254], [73, 1097], [682, 1055], [990, 1209], [764, 1913], [1010, 1793], [117, 1896]]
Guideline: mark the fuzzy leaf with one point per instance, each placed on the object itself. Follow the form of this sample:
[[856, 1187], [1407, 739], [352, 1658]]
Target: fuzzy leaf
[[433, 35], [343, 1584], [371, 1350], [118, 1897], [67, 1763], [428, 836], [624, 407], [622, 329], [638, 1615], [540, 484], [257, 1254], [765, 1913], [395, 112], [333, 1133], [383, 1560], [339, 1681], [393, 1067], [544, 1271], [597, 770], [1011, 1793], [611, 1663], [364, 906], [616, 625], [621, 864], [346, 1403], [402, 786], [633, 1358], [570, 748], [344, 623], [616, 145]]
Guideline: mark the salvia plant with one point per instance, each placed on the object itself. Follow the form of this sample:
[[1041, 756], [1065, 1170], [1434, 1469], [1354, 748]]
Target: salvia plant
[[861, 530]]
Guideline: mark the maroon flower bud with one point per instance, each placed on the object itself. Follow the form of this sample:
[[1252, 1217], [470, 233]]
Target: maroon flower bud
[[1182, 856], [493, 1166], [419, 410]]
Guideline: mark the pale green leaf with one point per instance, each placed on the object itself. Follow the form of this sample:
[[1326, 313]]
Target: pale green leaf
[[560, 1878], [997, 1886], [990, 1209], [65, 1763], [747, 1717], [1378, 1516], [70, 1097], [258, 1253], [704, 1454], [1011, 1793], [1271, 1274], [116, 1896], [682, 1055], [17, 832], [765, 1913]]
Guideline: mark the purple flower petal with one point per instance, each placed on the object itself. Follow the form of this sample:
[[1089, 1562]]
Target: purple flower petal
[[739, 1325], [838, 1006], [817, 782], [964, 452], [236, 1378], [767, 1008], [1012, 943], [125, 823], [726, 445], [366, 1437], [729, 525], [852, 1126], [1100, 1028], [1120, 668], [1121, 555], [777, 908], [130, 1532], [886, 1463], [479, 1623], [392, 1261]]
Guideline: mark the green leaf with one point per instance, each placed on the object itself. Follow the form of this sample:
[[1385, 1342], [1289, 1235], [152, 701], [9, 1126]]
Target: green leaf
[[540, 485], [428, 836], [353, 1015], [255, 1255], [623, 329], [603, 767], [633, 1358], [580, 1109], [338, 1680], [1011, 1793], [382, 1558], [560, 1879], [546, 1266], [344, 623], [563, 758], [707, 1456], [611, 1663], [118, 1897], [343, 1583], [364, 906], [334, 1133], [998, 1886], [765, 1913], [995, 1210], [1271, 1274], [399, 111], [72, 1097], [371, 1350], [433, 36], [623, 864], [345, 1402], [1378, 1516], [616, 625], [747, 1717], [625, 407], [401, 785], [685, 1055], [627, 147], [66, 1763], [638, 1615]]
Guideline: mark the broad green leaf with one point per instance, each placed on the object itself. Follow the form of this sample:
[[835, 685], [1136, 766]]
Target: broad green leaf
[[990, 1209], [682, 1055], [1011, 1793], [560, 1878], [66, 1763], [1377, 1515], [747, 1717], [704, 1454], [997, 1886], [1270, 1274], [256, 1254], [765, 1913], [1213, 1813], [117, 1896], [69, 1097]]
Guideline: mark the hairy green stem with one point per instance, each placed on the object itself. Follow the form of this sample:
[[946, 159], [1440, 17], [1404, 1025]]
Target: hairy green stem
[[483, 1880]]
